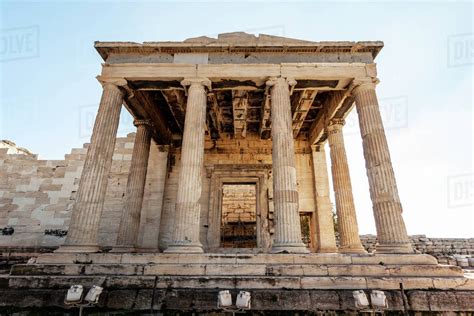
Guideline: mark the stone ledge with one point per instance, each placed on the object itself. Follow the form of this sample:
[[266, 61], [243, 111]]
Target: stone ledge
[[312, 258], [205, 300], [238, 269], [247, 282]]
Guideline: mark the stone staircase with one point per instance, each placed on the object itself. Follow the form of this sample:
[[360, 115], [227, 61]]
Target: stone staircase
[[191, 282], [262, 271]]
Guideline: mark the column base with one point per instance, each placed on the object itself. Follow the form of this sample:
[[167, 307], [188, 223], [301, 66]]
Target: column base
[[394, 248], [184, 249], [289, 248], [148, 250], [327, 250], [78, 249], [123, 249], [352, 250]]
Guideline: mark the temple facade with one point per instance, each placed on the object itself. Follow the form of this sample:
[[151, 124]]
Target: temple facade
[[248, 110], [225, 185]]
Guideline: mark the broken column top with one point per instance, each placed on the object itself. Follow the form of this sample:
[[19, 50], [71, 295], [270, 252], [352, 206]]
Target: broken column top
[[238, 42]]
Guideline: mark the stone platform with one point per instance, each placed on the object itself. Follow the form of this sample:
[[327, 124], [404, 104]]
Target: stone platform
[[192, 281], [261, 271]]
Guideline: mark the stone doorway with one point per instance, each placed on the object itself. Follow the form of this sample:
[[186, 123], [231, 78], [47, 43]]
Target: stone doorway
[[239, 215], [222, 179]]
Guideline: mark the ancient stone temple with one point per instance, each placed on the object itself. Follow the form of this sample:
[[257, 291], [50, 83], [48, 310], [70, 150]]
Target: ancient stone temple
[[225, 186]]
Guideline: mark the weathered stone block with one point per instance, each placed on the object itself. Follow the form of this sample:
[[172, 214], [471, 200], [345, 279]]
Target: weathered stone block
[[399, 259], [118, 282], [323, 283], [206, 258], [391, 283], [121, 299], [173, 269], [193, 282], [459, 283], [418, 300], [359, 270], [46, 269], [443, 301], [113, 269], [414, 270], [324, 300], [322, 258], [282, 300], [230, 269], [268, 282]]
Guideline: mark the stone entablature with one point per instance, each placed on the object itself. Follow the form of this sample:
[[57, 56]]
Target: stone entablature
[[239, 48]]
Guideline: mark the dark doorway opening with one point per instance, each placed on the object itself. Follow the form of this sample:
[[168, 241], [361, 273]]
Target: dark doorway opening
[[307, 229], [239, 215]]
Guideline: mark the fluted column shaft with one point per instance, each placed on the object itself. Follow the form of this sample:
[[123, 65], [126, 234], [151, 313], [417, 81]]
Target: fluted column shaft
[[84, 226], [130, 221], [285, 196], [325, 234], [349, 240], [187, 214], [392, 235]]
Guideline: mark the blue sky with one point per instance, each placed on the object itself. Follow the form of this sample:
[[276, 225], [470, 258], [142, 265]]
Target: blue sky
[[49, 96]]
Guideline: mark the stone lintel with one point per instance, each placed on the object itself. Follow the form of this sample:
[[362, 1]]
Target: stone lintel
[[238, 42], [215, 72]]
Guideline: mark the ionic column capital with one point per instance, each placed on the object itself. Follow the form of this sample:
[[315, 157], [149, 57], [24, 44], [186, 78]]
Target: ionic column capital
[[273, 81], [147, 123], [335, 125], [202, 82], [362, 85], [282, 82], [112, 83]]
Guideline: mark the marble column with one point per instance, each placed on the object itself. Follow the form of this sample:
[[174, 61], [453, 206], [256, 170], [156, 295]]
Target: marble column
[[185, 237], [287, 236], [392, 235], [153, 199], [349, 240], [130, 221], [84, 225], [325, 225]]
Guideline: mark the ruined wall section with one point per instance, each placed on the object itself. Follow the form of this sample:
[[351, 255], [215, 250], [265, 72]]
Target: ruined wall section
[[36, 196], [438, 247]]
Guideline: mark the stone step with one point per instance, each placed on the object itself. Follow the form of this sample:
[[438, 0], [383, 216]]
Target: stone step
[[207, 258], [243, 282], [166, 269]]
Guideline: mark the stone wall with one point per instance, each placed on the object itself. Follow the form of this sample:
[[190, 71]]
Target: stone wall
[[36, 196], [239, 216], [238, 203]]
